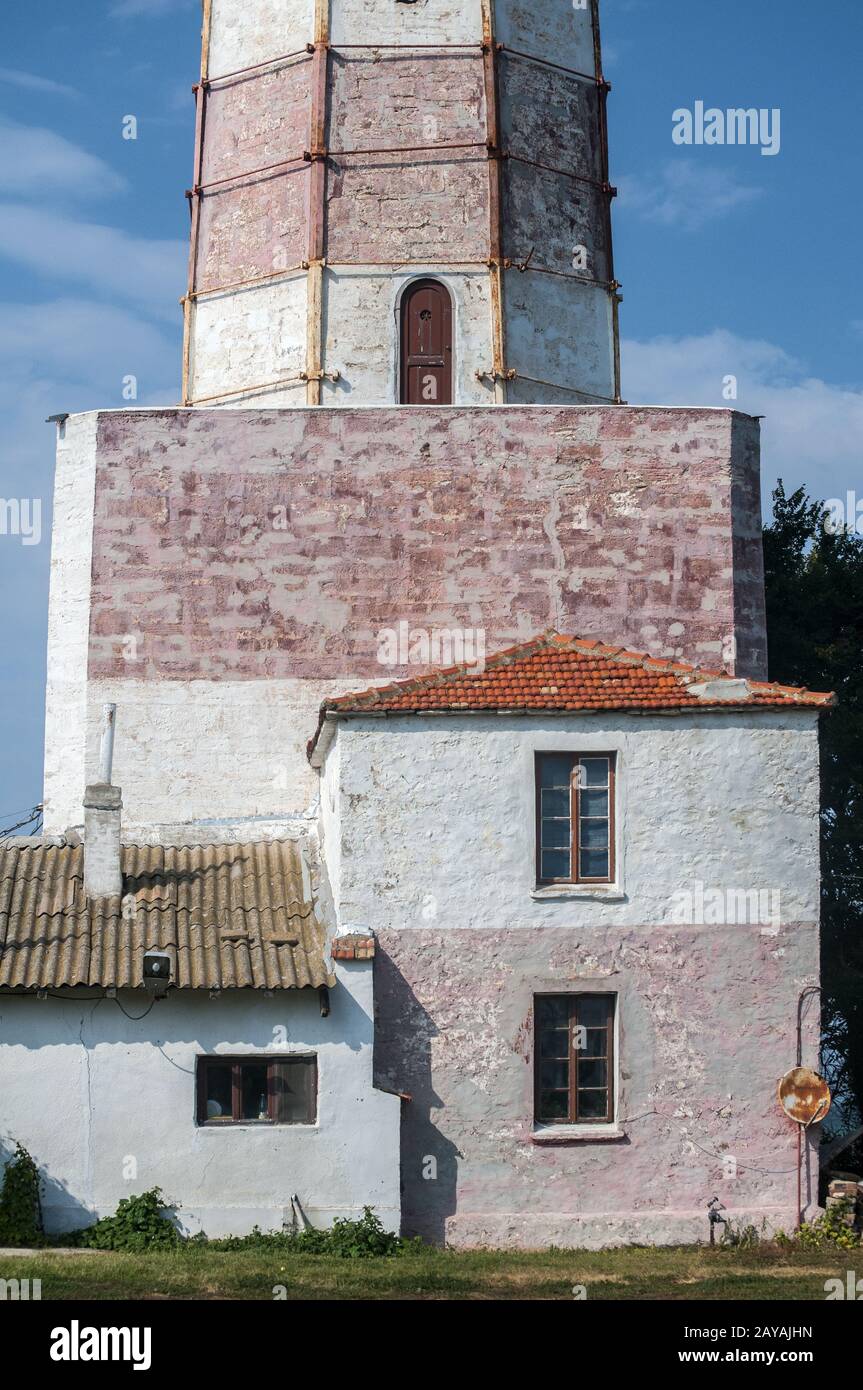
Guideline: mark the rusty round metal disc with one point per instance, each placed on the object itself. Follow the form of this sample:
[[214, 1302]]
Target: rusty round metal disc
[[804, 1096]]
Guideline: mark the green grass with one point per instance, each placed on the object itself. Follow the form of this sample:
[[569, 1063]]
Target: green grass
[[635, 1273]]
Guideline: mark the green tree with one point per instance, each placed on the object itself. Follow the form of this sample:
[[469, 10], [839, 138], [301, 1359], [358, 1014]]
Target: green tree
[[814, 579]]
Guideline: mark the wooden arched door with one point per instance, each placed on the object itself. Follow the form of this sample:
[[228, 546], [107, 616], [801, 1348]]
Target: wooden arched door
[[426, 344]]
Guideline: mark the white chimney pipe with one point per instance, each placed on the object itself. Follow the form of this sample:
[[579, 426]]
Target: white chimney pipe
[[106, 747], [103, 867]]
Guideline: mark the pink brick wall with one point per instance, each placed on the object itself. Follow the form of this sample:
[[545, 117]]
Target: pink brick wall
[[256, 224], [251, 544], [432, 204]]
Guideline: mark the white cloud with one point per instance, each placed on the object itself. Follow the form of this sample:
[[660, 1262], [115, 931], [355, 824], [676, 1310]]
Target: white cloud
[[31, 82], [146, 272], [76, 346], [684, 194], [812, 430], [39, 163]]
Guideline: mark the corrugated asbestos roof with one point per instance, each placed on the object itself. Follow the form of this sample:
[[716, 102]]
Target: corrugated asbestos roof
[[231, 917]]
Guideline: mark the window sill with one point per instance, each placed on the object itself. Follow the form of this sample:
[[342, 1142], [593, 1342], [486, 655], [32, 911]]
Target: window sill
[[217, 1127], [577, 1134], [596, 892]]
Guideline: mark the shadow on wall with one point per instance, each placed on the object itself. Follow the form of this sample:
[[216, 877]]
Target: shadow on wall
[[403, 1062], [60, 1210]]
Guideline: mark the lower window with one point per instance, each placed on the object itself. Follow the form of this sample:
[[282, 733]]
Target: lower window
[[574, 1051], [257, 1090]]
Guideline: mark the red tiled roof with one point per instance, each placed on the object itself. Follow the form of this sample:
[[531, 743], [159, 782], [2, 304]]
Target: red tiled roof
[[552, 672]]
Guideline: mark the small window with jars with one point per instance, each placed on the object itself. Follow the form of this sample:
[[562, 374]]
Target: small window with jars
[[257, 1091]]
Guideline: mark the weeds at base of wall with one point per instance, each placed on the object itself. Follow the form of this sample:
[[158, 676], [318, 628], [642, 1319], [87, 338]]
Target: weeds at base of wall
[[744, 1237], [345, 1239], [832, 1231], [20, 1202], [139, 1223]]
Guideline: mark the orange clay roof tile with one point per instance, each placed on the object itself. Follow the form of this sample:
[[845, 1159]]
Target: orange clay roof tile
[[556, 672]]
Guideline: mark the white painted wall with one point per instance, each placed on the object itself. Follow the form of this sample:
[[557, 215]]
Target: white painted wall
[[330, 826], [224, 752], [258, 335], [443, 807], [249, 338], [427, 21], [558, 330], [85, 1089], [243, 33], [362, 334], [69, 619]]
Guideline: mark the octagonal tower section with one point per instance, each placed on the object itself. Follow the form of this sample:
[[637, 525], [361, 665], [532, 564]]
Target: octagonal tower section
[[351, 153]]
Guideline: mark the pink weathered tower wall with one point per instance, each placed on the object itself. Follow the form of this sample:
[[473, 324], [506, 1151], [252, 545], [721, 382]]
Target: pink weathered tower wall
[[218, 573]]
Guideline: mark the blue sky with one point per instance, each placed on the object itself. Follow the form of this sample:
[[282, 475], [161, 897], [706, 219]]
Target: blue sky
[[732, 263]]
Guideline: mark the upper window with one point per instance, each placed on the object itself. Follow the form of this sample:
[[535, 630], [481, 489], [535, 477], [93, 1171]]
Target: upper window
[[257, 1090], [575, 817], [426, 344], [574, 1050]]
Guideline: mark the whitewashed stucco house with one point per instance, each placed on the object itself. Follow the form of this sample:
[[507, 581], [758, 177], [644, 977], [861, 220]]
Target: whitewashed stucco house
[[239, 1081], [593, 880]]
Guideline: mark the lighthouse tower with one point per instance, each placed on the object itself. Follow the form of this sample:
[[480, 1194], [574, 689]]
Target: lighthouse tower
[[401, 201]]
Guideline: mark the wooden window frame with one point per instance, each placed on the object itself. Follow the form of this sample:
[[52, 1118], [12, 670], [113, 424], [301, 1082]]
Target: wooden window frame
[[575, 877], [205, 1061], [573, 1117]]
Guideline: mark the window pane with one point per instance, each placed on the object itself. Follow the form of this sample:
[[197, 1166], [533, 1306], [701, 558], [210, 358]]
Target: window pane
[[554, 1043], [592, 803], [555, 769], [554, 1105], [592, 1105], [583, 1019], [556, 834], [555, 802], [593, 863], [592, 1073], [552, 1010], [596, 1043], [217, 1089], [554, 1075], [593, 1010], [295, 1084], [593, 834], [594, 772], [555, 863], [253, 1091]]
